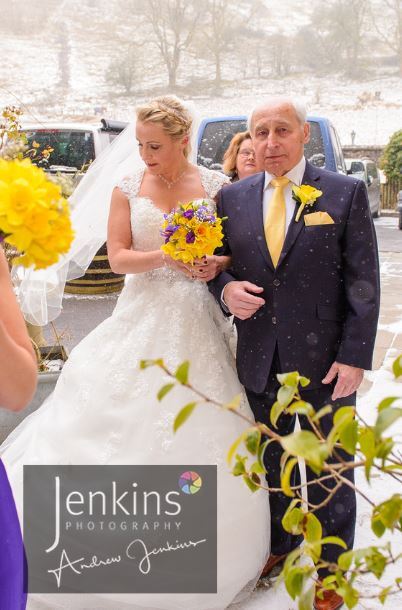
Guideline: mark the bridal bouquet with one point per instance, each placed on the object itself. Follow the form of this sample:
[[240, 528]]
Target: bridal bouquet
[[191, 231], [34, 217]]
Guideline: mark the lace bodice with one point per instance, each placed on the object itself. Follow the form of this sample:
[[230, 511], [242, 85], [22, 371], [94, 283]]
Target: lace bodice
[[147, 218]]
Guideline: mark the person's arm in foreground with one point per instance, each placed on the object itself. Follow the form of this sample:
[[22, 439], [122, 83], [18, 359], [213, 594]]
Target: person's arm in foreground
[[18, 367]]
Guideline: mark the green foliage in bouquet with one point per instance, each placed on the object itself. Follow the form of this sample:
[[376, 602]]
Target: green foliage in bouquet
[[376, 452]]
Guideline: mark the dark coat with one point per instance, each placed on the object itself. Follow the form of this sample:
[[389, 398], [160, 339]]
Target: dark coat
[[322, 300]]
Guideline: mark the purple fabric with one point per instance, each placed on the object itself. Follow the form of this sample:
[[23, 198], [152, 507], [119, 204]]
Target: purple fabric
[[13, 567]]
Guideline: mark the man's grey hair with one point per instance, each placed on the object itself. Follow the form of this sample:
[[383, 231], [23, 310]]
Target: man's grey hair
[[298, 105]]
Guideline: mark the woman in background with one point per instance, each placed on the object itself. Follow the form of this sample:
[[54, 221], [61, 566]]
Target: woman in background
[[239, 159]]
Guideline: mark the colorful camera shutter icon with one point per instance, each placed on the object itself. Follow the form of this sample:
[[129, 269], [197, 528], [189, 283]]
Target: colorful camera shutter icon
[[190, 482]]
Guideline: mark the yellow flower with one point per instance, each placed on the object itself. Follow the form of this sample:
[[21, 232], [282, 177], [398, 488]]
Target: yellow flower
[[34, 217], [305, 195]]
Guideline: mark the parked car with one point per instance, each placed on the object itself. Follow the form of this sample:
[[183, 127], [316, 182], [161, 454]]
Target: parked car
[[75, 145], [323, 149], [366, 170]]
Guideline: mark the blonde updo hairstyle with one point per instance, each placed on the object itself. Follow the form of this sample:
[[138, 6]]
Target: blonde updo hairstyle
[[170, 112]]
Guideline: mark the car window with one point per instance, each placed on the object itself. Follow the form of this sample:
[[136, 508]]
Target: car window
[[215, 141], [337, 150], [356, 167], [71, 148], [218, 134], [314, 149]]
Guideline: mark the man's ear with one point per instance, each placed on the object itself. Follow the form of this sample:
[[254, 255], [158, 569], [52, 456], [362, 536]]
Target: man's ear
[[306, 132]]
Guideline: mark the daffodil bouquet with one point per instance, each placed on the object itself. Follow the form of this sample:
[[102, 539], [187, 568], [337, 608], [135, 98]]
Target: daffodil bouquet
[[191, 231], [34, 217]]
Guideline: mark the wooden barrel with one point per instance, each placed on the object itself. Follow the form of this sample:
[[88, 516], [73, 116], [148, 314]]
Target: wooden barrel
[[98, 278]]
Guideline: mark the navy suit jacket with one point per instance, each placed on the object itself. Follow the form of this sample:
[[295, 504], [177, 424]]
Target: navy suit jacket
[[322, 300]]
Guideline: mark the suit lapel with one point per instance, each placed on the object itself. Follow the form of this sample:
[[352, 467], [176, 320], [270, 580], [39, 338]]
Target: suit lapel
[[254, 195], [310, 177]]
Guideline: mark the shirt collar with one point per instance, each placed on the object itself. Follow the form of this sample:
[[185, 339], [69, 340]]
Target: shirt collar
[[295, 175]]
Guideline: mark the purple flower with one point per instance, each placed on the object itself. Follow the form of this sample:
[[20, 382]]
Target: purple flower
[[168, 232], [190, 237], [188, 214]]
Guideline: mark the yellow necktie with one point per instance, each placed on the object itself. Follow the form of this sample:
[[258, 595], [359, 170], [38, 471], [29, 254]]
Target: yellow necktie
[[275, 222]]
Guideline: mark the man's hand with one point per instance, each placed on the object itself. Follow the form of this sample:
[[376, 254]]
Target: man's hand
[[349, 379], [240, 300]]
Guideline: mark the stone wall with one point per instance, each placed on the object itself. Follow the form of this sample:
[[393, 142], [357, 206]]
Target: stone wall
[[360, 152]]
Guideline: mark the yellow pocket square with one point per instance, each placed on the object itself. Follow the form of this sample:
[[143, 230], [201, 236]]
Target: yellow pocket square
[[318, 218]]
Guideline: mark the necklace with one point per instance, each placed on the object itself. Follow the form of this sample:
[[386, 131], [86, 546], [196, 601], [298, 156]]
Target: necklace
[[170, 183]]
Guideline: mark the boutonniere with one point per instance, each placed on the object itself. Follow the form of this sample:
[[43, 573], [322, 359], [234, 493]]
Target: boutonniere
[[304, 195]]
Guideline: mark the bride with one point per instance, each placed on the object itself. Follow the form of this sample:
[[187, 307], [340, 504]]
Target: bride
[[104, 409]]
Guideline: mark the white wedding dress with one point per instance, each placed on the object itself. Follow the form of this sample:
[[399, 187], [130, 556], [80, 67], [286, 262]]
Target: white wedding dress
[[104, 410]]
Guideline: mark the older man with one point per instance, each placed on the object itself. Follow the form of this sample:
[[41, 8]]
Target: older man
[[304, 290]]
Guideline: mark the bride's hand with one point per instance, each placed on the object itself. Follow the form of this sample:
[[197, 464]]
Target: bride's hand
[[208, 267], [168, 261]]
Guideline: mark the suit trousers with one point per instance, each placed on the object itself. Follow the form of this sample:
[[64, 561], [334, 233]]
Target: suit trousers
[[338, 517]]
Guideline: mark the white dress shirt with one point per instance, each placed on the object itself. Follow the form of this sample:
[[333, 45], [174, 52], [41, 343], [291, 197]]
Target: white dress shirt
[[295, 176]]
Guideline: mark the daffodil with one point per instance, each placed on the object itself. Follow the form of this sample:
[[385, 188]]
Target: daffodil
[[34, 217], [305, 195]]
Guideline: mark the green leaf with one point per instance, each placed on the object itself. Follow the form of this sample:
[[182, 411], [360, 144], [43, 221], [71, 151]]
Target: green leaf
[[233, 448], [367, 447], [285, 395], [349, 594], [334, 540], [348, 437], [240, 466], [387, 402], [306, 599], [376, 562], [276, 410], [397, 367], [234, 403], [305, 444], [181, 373], [261, 452], [144, 364], [342, 417], [323, 411], [387, 513], [290, 379], [378, 527], [257, 468], [183, 415], [292, 520], [384, 594], [285, 477], [313, 528], [165, 390], [386, 418], [294, 580], [302, 408], [250, 484], [252, 440], [345, 560]]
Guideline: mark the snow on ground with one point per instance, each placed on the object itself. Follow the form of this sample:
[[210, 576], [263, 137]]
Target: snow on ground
[[30, 76]]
